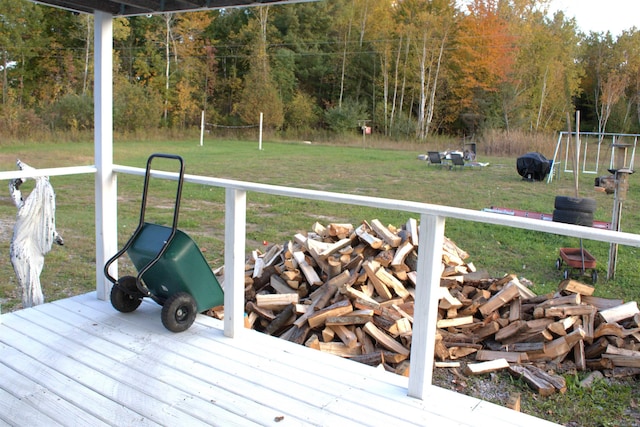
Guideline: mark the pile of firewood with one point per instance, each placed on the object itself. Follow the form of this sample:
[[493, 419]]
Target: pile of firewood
[[350, 292]]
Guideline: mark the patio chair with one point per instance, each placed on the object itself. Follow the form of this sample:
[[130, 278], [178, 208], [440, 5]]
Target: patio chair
[[456, 161], [434, 158]]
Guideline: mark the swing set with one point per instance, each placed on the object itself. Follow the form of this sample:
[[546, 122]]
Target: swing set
[[592, 159]]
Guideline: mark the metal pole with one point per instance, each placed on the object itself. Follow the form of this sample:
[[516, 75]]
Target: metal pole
[[202, 128], [260, 133], [621, 180], [577, 159]]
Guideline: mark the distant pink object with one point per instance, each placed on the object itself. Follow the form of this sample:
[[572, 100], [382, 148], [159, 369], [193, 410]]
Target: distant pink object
[[33, 234]]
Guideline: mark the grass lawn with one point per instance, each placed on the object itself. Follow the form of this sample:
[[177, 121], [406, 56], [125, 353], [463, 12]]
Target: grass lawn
[[395, 174]]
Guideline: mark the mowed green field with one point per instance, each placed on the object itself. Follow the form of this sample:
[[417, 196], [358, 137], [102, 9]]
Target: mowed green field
[[394, 174]]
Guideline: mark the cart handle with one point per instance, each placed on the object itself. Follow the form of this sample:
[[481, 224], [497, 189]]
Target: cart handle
[[176, 211], [141, 287]]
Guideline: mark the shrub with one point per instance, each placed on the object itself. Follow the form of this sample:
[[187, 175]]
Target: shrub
[[301, 112], [345, 118], [18, 122], [72, 113], [135, 107]]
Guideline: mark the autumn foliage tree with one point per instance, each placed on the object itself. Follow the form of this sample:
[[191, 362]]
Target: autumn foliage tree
[[486, 53], [412, 68], [260, 94]]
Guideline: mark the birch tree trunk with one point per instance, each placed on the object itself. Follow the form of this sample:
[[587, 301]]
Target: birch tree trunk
[[395, 84], [87, 51], [424, 82], [434, 86], [347, 36], [384, 69], [168, 19], [543, 92]]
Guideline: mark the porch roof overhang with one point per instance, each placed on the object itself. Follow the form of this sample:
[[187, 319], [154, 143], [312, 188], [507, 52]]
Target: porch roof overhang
[[123, 8]]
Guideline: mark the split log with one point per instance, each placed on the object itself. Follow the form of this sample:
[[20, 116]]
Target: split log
[[356, 317], [622, 360], [575, 287], [383, 291], [378, 357], [401, 253], [308, 271], [319, 302], [557, 381], [540, 385], [346, 336], [391, 282], [514, 402], [371, 240], [509, 356], [458, 321], [385, 234], [503, 297], [620, 312], [412, 228], [385, 340], [318, 318], [276, 301], [339, 230], [485, 367], [339, 349], [335, 247], [286, 316]]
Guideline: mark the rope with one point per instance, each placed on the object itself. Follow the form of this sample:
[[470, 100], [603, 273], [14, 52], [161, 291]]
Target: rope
[[231, 127]]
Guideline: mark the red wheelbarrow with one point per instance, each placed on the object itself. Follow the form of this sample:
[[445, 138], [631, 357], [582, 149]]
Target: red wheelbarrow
[[577, 259]]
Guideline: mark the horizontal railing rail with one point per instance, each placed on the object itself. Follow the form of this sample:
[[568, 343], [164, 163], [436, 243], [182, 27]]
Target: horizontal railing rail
[[629, 239], [32, 173]]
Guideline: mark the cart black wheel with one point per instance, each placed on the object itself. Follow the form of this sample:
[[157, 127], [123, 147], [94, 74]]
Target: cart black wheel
[[594, 276], [565, 274], [179, 312], [129, 285], [124, 301], [558, 264]]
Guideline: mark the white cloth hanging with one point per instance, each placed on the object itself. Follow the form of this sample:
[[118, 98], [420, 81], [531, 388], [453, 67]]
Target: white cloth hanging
[[33, 234]]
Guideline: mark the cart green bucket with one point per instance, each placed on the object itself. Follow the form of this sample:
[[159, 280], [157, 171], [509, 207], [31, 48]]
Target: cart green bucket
[[171, 268]]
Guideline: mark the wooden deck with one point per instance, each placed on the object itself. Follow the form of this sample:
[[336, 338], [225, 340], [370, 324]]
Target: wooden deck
[[79, 362]]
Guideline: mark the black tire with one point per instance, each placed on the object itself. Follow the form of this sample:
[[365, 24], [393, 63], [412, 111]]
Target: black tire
[[558, 263], [123, 300], [565, 274], [179, 312], [573, 217], [577, 204], [594, 276], [129, 285]]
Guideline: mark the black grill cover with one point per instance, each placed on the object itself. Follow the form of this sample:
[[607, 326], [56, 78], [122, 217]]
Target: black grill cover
[[533, 166]]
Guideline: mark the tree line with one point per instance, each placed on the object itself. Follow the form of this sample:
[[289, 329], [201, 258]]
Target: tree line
[[407, 68]]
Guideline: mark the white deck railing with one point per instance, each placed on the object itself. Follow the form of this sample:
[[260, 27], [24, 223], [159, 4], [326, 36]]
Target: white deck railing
[[432, 225], [431, 237]]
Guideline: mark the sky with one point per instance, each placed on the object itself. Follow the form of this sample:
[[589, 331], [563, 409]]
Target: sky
[[601, 15]]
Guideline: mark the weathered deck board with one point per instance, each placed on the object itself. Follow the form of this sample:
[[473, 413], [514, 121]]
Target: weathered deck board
[[79, 362]]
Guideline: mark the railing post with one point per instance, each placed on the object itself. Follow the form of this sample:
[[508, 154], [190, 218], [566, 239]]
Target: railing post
[[105, 182], [426, 304], [234, 247]]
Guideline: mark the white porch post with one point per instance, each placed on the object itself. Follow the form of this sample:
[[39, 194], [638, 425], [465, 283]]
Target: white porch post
[[235, 218], [106, 191], [426, 304]]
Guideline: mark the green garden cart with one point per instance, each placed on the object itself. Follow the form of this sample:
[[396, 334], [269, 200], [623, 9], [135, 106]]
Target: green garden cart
[[171, 268]]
